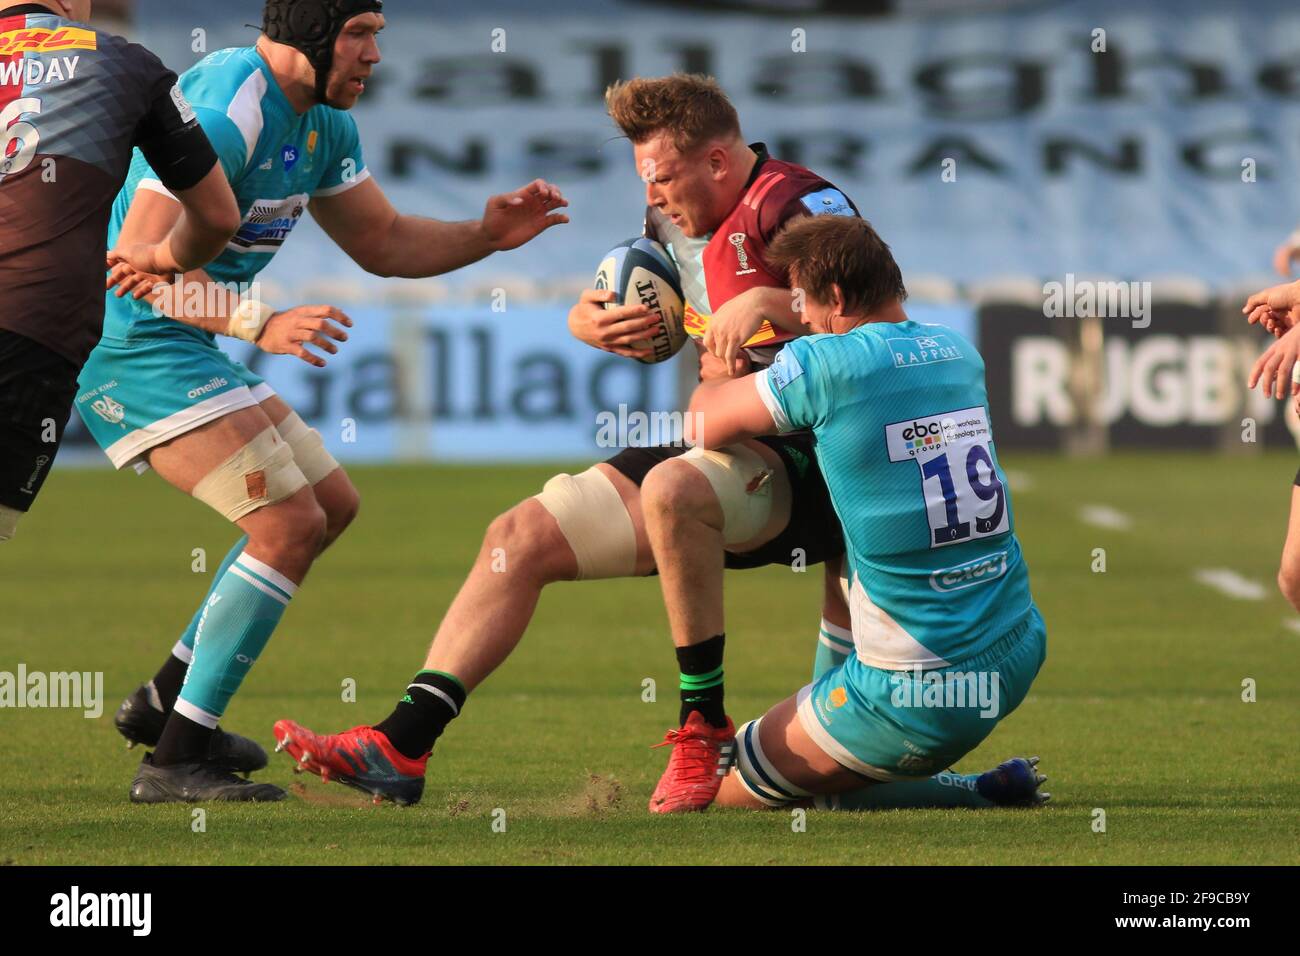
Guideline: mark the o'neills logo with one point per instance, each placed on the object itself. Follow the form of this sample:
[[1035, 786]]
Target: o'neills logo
[[212, 386], [737, 239]]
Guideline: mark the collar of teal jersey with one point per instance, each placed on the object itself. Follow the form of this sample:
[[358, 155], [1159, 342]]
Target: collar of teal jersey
[[273, 87]]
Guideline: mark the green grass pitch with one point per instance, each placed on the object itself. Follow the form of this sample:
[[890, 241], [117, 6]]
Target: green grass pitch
[[1138, 711]]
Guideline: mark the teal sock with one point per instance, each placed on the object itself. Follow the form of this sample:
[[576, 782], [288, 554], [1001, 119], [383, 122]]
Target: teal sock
[[834, 645], [237, 620], [184, 648], [942, 790]]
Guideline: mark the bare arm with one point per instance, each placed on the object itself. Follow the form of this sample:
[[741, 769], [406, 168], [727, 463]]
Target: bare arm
[[736, 321], [387, 243], [724, 411]]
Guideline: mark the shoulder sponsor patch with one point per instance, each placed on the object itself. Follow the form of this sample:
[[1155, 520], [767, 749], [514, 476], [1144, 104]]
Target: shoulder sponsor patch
[[922, 350], [829, 201], [784, 370]]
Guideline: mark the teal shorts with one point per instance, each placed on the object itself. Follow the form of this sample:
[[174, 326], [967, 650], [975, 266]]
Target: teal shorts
[[133, 397], [897, 725]]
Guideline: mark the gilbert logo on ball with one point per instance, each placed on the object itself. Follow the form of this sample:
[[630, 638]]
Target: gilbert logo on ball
[[640, 270]]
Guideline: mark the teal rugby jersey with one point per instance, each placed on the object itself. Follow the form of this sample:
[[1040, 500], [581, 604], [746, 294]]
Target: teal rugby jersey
[[901, 419], [276, 161]]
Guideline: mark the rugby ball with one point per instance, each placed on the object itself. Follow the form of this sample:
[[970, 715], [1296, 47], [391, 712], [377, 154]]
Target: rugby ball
[[640, 270]]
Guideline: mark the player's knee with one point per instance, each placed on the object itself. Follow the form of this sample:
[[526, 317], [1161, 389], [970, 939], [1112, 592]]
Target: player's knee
[[1288, 582], [519, 539], [340, 511], [674, 488], [295, 527]]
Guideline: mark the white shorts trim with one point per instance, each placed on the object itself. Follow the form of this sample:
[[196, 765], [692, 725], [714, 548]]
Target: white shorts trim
[[832, 747], [128, 449]]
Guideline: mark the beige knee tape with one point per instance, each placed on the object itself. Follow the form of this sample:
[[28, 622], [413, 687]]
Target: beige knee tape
[[309, 452], [595, 522], [8, 522], [742, 480], [259, 474]]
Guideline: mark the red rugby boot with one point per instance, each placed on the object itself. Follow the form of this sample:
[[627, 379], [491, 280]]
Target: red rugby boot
[[702, 755]]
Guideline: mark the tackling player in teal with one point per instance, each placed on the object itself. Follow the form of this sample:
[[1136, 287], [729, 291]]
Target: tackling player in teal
[[946, 637], [158, 392]]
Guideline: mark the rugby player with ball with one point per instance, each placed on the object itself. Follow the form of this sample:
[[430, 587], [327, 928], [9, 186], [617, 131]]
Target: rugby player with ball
[[714, 202]]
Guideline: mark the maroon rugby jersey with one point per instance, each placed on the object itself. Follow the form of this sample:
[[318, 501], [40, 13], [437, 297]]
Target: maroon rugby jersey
[[732, 259]]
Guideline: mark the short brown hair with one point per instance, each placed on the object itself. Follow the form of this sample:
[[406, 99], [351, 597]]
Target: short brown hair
[[819, 251], [690, 107]]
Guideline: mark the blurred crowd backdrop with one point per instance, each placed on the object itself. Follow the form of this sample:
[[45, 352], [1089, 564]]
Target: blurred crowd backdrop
[[1086, 188]]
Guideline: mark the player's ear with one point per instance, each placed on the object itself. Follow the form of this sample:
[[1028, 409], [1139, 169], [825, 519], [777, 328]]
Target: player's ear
[[835, 299], [719, 162]]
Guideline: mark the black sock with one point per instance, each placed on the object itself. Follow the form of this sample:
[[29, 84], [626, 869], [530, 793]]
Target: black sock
[[167, 682], [182, 741], [701, 680], [432, 700]]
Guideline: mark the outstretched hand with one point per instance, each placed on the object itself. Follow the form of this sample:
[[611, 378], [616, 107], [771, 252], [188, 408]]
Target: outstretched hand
[[511, 219]]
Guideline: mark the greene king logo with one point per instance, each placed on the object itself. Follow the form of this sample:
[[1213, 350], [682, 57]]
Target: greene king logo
[[949, 690], [76, 909]]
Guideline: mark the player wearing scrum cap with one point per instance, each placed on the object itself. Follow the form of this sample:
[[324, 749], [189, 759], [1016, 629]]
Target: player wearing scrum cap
[[160, 393], [714, 201], [73, 103], [946, 636]]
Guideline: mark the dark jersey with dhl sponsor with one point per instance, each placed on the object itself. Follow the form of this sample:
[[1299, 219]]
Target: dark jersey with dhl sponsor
[[733, 259], [73, 103]]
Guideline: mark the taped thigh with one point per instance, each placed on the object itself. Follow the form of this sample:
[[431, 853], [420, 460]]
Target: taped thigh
[[309, 452], [259, 474], [742, 481], [595, 522]]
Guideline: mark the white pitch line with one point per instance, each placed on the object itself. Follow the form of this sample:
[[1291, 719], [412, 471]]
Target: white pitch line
[[1292, 624], [1020, 481], [1229, 582], [1104, 516]]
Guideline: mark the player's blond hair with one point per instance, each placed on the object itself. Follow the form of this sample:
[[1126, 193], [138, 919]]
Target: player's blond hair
[[689, 107]]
